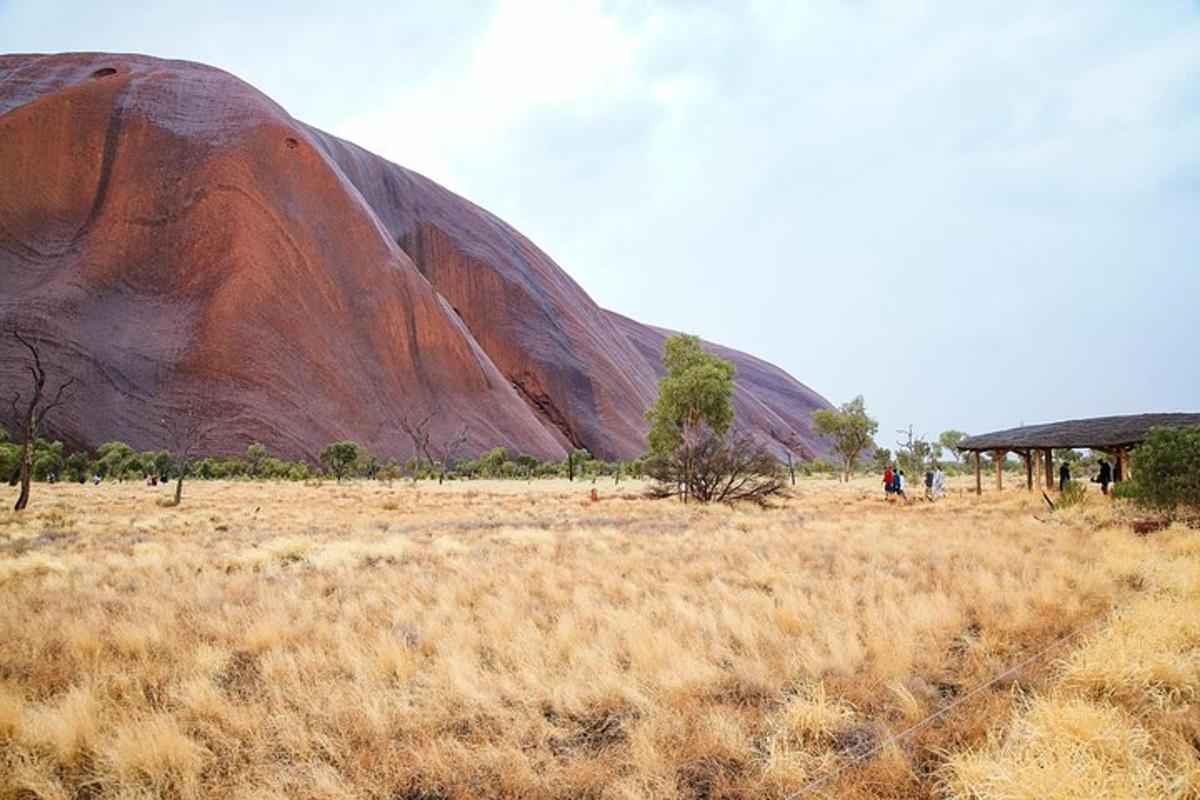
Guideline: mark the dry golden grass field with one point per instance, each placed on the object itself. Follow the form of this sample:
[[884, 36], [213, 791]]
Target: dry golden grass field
[[516, 640]]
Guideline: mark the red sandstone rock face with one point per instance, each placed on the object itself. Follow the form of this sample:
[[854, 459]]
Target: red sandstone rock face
[[172, 237]]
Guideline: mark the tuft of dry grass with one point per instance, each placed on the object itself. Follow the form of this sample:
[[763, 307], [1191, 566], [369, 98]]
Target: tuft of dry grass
[[517, 640], [1122, 718]]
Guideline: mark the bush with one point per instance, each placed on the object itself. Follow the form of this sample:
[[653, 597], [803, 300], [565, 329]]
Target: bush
[[340, 458], [1166, 471], [1073, 494], [721, 469]]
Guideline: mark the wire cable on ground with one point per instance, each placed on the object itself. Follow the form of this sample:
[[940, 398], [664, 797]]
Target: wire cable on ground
[[815, 785]]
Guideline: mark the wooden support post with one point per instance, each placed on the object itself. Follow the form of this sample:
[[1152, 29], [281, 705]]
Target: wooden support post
[[1029, 459], [998, 458], [978, 476], [1123, 462], [1049, 459], [1128, 464]]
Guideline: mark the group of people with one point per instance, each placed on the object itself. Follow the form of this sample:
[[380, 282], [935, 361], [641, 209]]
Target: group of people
[[935, 482], [1108, 474], [935, 479]]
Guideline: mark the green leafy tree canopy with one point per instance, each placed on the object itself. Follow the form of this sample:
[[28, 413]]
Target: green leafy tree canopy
[[850, 428], [696, 389], [340, 457], [950, 440]]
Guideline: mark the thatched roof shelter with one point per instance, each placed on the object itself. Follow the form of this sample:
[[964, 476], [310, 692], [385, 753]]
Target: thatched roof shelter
[[1036, 443], [1097, 433]]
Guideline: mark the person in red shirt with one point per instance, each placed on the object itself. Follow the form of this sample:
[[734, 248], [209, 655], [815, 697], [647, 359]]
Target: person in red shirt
[[887, 480]]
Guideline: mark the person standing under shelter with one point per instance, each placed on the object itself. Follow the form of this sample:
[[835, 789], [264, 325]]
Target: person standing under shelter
[[1105, 476], [1064, 476]]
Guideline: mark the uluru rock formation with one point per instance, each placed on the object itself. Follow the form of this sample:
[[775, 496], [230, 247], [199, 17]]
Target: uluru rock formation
[[173, 238]]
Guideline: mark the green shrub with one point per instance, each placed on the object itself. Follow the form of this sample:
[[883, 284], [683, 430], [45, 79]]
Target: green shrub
[[10, 461], [1073, 494], [1166, 471], [340, 458]]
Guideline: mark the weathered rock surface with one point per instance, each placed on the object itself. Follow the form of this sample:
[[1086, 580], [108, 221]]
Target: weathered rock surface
[[172, 237]]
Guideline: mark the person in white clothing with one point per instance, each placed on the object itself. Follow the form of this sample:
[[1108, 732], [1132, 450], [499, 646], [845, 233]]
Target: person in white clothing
[[939, 482]]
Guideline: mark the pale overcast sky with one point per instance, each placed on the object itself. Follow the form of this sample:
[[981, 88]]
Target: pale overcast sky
[[976, 214]]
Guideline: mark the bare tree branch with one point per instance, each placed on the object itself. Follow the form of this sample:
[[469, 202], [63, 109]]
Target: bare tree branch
[[723, 469], [35, 412], [185, 434], [55, 403], [419, 434]]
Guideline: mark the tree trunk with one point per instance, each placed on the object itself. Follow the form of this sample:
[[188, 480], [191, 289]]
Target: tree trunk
[[179, 489], [26, 470], [687, 468]]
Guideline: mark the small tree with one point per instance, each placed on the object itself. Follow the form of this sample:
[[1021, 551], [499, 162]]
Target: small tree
[[340, 457], [184, 434], [950, 440], [694, 394], [78, 463], [160, 464], [492, 461], [47, 459], [10, 458], [914, 452], [693, 452], [850, 428], [527, 463], [1166, 471], [576, 459], [256, 452], [113, 458], [881, 459], [439, 455], [36, 409]]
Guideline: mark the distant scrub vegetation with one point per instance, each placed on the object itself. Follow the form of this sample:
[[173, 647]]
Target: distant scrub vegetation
[[339, 460], [119, 461]]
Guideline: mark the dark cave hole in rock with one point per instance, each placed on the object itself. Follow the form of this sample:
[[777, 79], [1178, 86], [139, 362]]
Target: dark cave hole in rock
[[291, 143], [104, 72]]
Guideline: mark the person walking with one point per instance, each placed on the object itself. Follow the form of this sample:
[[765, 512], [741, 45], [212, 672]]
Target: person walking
[[939, 482], [899, 485], [888, 478], [1064, 476], [929, 483], [1105, 476]]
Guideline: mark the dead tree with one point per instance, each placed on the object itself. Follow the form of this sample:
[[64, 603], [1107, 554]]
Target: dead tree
[[439, 456], [35, 412], [449, 450], [418, 432], [184, 435]]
